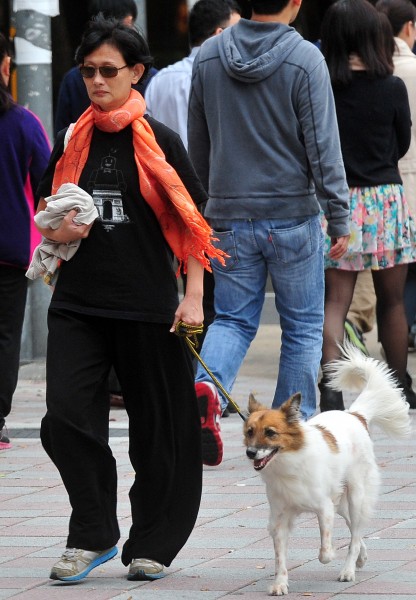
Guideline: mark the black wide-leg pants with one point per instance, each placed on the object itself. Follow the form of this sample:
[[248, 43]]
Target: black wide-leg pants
[[155, 372]]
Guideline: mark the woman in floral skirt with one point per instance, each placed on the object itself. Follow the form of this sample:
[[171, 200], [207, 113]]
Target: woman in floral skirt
[[375, 127]]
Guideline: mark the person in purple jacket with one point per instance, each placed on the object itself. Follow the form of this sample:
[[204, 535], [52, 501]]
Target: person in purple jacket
[[24, 155]]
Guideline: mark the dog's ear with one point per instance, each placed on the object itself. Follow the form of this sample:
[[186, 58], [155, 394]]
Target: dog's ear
[[253, 405], [291, 408]]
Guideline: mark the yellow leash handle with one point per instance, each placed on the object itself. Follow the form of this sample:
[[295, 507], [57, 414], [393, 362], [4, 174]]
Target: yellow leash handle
[[190, 332]]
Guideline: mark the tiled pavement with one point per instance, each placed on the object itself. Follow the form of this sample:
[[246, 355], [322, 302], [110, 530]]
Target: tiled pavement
[[229, 554]]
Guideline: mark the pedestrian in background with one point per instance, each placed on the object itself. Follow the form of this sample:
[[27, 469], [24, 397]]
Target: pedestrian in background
[[167, 94], [72, 96], [402, 17], [263, 138], [24, 155], [375, 130]]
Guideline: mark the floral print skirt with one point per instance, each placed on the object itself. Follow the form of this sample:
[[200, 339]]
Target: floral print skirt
[[383, 234]]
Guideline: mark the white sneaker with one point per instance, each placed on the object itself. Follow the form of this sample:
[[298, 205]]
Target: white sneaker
[[144, 569], [75, 564]]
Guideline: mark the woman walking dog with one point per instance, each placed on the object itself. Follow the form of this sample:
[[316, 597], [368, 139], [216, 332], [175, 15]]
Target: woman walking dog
[[116, 303]]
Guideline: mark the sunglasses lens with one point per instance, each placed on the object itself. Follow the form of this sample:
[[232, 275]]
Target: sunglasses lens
[[87, 72], [108, 71]]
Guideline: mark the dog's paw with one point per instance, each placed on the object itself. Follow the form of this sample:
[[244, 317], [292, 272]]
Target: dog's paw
[[326, 555], [279, 589], [346, 575]]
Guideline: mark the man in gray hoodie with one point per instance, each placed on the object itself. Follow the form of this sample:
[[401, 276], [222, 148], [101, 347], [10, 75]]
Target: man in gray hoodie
[[263, 137]]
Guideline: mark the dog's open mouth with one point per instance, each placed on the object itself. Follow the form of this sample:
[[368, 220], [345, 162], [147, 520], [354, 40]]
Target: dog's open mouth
[[260, 463]]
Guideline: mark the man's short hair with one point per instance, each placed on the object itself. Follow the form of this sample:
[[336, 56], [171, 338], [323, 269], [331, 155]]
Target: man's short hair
[[268, 7], [206, 16], [117, 9]]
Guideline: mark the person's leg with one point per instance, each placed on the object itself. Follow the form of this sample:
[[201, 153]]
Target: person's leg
[[339, 289], [294, 250], [13, 290], [410, 295], [164, 440], [74, 431], [389, 286], [362, 310], [238, 300]]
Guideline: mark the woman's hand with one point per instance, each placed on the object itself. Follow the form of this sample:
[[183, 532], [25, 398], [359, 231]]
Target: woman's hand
[[189, 311], [68, 230], [339, 246]]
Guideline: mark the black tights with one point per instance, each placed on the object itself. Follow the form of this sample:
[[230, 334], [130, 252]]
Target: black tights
[[389, 288]]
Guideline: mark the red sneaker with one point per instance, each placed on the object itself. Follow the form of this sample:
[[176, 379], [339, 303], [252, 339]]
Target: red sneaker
[[210, 410], [4, 440]]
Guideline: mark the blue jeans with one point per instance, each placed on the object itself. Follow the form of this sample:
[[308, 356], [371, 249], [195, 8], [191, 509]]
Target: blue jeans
[[291, 251]]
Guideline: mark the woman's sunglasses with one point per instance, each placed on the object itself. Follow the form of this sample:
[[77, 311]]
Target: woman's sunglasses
[[107, 71]]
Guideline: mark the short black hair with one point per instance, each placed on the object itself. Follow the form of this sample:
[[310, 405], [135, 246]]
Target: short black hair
[[206, 16], [398, 13], [118, 9], [128, 41], [268, 7], [6, 100], [354, 26]]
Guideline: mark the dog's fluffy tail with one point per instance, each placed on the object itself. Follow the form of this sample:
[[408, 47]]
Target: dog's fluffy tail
[[381, 400]]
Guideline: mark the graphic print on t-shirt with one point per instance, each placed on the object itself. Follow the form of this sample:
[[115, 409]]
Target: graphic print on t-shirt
[[107, 184]]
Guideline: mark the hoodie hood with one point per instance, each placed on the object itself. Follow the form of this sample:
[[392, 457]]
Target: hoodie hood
[[251, 50]]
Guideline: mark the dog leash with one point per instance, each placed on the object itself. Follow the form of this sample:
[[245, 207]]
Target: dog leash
[[190, 333]]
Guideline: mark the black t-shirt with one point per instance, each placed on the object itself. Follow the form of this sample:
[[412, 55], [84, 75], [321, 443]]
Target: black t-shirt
[[375, 128], [125, 268]]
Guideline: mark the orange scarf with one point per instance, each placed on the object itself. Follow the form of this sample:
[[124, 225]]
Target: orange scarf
[[184, 228]]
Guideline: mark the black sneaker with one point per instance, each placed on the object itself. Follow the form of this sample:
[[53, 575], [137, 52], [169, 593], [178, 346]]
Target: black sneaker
[[355, 336], [330, 399], [410, 396], [4, 440]]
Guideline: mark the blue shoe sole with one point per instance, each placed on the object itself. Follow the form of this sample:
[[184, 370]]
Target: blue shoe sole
[[94, 563]]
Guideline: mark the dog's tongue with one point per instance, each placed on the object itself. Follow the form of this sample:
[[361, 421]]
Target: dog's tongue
[[259, 464]]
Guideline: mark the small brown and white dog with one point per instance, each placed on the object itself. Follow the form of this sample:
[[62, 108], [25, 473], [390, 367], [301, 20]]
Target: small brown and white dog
[[327, 464]]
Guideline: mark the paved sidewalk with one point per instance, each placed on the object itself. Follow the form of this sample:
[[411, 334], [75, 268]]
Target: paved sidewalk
[[230, 553]]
